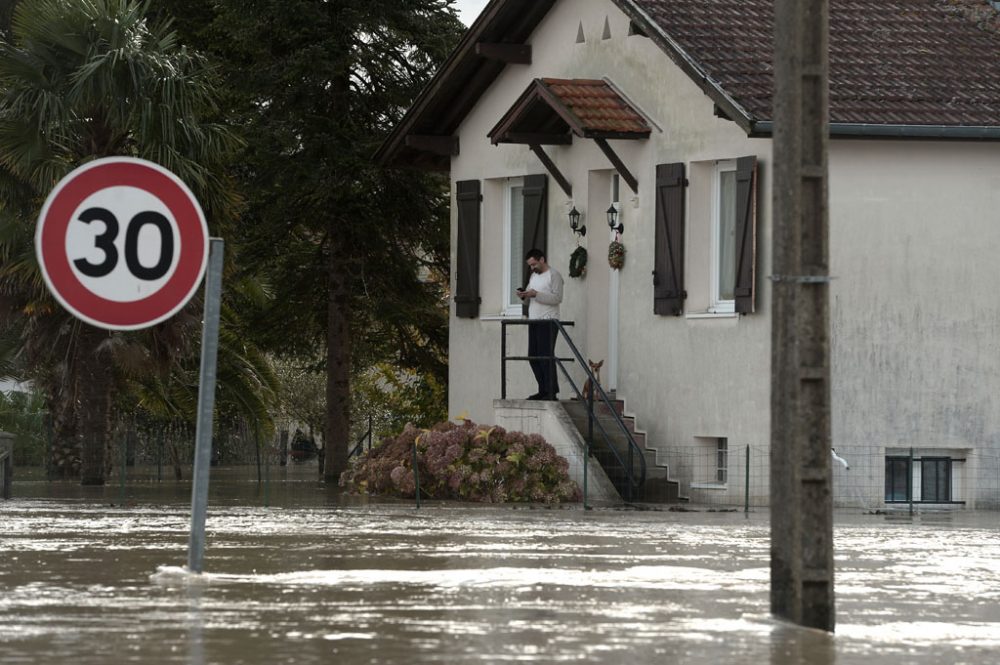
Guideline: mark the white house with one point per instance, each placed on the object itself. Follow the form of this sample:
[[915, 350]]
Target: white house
[[661, 110]]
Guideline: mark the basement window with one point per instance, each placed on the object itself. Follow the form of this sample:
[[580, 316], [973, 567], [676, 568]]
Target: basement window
[[722, 461], [712, 470]]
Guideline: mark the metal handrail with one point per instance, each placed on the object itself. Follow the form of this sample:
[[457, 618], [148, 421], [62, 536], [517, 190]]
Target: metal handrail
[[633, 483], [359, 446]]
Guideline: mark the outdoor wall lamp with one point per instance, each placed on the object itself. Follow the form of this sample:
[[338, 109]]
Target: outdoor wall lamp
[[574, 222], [613, 220]]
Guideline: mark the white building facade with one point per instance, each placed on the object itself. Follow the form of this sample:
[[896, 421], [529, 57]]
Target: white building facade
[[914, 219]]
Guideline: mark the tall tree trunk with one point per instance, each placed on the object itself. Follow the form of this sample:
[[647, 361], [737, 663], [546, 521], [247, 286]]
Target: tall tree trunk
[[338, 359], [338, 329], [64, 451], [61, 385], [96, 377]]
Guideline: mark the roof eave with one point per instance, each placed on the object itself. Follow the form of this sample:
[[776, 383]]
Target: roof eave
[[765, 128], [389, 150], [396, 137], [688, 65]]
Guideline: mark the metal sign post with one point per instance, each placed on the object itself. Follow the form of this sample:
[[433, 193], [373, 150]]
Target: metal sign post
[[206, 406], [122, 244]]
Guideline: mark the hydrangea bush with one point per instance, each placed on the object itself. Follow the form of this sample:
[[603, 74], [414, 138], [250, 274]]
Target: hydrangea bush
[[468, 462]]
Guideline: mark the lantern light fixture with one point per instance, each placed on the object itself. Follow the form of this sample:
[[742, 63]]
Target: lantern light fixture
[[574, 222], [613, 219]]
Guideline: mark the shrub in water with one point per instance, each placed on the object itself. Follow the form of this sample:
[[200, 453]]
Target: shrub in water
[[468, 462]]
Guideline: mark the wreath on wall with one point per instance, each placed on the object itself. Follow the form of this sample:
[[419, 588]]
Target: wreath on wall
[[616, 255], [578, 262]]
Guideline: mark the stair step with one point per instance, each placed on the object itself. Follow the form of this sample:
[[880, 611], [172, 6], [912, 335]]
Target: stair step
[[618, 406], [657, 487]]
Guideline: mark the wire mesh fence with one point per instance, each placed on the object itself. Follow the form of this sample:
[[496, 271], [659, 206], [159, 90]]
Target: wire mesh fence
[[715, 472], [865, 478], [141, 451]]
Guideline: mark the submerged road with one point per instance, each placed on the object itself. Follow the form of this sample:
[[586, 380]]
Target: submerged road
[[87, 583]]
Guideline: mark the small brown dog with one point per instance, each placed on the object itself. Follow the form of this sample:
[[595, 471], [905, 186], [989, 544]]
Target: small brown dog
[[595, 368]]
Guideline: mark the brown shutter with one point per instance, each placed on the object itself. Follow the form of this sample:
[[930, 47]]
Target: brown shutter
[[467, 278], [746, 234], [668, 261], [536, 219]]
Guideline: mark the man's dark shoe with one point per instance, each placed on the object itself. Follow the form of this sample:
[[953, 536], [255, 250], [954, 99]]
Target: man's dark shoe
[[536, 396]]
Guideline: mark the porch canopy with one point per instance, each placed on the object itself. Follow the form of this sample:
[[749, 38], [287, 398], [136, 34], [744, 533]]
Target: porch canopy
[[551, 111]]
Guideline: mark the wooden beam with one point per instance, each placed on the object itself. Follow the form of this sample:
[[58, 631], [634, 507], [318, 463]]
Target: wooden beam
[[618, 164], [459, 105], [537, 139], [622, 136], [553, 170], [438, 145], [636, 29], [512, 54]]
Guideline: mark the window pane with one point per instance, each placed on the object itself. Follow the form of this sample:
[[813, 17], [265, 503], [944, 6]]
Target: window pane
[[897, 479], [935, 479], [516, 240], [615, 188], [727, 235], [722, 460]]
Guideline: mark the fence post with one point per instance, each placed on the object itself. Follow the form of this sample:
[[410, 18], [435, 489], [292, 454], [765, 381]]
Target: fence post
[[6, 464], [503, 360], [121, 472], [909, 482], [746, 483], [267, 481], [257, 443], [590, 438], [416, 474], [48, 426]]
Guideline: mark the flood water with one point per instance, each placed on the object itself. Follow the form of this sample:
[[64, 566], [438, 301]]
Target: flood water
[[317, 578]]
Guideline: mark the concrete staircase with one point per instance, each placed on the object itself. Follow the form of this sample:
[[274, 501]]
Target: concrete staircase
[[658, 487]]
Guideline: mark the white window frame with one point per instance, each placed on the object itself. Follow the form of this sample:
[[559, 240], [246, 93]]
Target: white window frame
[[717, 305], [709, 473], [722, 460], [507, 285]]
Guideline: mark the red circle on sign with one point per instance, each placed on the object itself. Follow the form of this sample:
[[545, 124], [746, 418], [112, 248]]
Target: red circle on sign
[[57, 214]]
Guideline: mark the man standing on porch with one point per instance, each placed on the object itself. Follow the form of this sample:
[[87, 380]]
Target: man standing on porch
[[543, 293]]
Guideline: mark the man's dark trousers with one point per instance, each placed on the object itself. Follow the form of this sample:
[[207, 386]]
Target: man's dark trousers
[[542, 342]]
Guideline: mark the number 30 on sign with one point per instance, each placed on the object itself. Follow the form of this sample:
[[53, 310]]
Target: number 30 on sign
[[122, 243]]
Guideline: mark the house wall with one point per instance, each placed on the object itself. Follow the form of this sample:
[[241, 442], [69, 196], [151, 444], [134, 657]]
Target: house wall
[[914, 312], [914, 351]]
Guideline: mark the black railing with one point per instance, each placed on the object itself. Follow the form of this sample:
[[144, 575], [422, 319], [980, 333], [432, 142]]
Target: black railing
[[634, 464], [359, 447]]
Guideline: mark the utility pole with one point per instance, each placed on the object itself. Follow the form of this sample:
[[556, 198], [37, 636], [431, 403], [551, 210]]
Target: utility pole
[[801, 499]]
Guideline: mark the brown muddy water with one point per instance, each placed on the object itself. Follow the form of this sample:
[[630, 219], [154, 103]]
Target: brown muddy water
[[319, 578]]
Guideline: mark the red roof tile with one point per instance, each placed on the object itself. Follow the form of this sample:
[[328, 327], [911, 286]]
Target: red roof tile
[[908, 62], [597, 106], [559, 108]]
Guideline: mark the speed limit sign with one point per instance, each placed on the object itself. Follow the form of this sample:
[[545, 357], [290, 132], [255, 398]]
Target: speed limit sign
[[122, 243]]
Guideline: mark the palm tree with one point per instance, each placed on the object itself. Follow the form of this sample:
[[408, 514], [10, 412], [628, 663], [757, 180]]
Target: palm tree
[[80, 80]]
